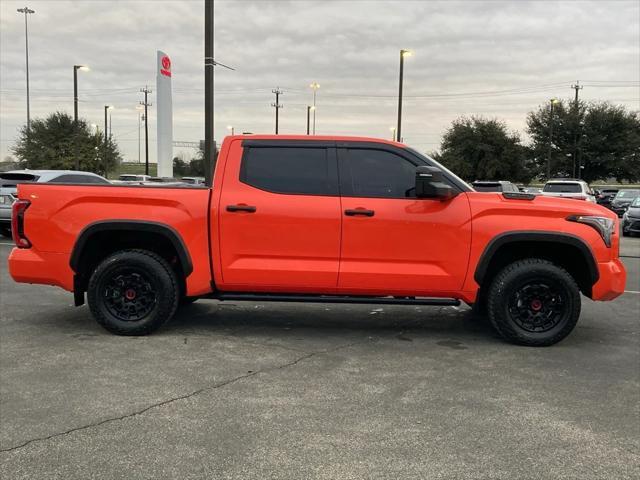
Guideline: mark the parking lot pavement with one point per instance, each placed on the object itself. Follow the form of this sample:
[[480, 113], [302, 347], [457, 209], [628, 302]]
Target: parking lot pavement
[[251, 390]]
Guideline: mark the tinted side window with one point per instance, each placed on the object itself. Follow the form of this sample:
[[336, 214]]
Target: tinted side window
[[64, 179], [91, 179], [297, 170], [377, 173], [75, 178]]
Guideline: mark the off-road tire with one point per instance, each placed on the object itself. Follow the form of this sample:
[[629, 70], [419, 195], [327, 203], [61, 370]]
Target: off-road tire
[[161, 284], [520, 275]]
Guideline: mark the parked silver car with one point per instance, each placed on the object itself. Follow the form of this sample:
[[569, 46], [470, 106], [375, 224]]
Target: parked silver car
[[569, 188], [10, 180]]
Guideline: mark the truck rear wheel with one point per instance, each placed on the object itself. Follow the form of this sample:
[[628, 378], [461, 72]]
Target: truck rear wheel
[[133, 292], [533, 302]]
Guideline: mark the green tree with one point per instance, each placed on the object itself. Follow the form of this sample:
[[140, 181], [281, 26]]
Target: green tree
[[57, 141], [180, 167], [603, 138], [483, 149]]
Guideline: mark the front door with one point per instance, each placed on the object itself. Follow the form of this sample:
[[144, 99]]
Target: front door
[[280, 219], [392, 242]]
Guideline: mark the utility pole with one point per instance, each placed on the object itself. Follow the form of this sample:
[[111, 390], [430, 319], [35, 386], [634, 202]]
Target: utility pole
[[27, 11], [552, 102], [146, 104], [277, 105], [577, 87], [403, 53], [209, 144], [139, 157], [308, 117]]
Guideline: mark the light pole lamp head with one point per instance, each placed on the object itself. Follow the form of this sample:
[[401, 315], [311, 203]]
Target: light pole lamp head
[[406, 53], [82, 68], [26, 10], [554, 101], [314, 85], [108, 107]]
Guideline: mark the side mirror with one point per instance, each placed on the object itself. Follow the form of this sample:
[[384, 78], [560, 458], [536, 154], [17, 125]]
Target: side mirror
[[430, 184]]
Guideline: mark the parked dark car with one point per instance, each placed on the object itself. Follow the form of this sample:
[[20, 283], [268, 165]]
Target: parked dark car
[[631, 219], [605, 195], [494, 186], [622, 200]]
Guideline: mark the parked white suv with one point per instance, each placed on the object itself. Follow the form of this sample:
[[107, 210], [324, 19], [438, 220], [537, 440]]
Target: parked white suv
[[569, 188]]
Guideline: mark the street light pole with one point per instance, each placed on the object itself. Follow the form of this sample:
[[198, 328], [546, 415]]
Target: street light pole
[[314, 86], [27, 11], [552, 102], [106, 137], [308, 117], [75, 89], [393, 133], [403, 53]]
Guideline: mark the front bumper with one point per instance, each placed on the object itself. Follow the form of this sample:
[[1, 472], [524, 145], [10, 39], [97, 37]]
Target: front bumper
[[612, 281]]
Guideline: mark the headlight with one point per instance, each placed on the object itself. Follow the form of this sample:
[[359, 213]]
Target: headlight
[[626, 215], [603, 225]]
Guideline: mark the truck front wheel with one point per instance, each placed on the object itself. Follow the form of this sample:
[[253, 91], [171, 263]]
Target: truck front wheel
[[533, 302], [133, 292]]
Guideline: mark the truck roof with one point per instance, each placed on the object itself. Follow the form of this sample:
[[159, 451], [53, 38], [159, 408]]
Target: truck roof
[[332, 138]]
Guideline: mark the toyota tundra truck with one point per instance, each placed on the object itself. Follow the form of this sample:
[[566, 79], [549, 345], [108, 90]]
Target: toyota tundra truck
[[319, 219]]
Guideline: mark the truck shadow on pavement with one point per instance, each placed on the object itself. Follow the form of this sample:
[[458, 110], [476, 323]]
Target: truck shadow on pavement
[[406, 323], [292, 322]]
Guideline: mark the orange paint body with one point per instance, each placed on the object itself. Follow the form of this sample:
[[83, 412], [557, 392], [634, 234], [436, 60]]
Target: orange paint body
[[296, 243]]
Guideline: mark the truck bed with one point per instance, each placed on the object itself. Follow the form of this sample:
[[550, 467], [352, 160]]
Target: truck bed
[[59, 213]]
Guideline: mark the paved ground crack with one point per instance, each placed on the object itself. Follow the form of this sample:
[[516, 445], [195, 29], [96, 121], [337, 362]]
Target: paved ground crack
[[182, 397]]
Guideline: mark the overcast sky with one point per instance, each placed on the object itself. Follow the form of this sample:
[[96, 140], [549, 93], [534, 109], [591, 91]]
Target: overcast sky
[[492, 58]]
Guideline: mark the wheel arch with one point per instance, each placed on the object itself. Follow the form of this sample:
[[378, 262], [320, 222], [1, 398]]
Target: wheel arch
[[100, 239], [571, 252]]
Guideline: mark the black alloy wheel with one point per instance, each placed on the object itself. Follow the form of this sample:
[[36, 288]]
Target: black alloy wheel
[[133, 292], [533, 302]]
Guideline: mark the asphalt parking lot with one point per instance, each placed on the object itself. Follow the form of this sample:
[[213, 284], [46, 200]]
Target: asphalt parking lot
[[251, 390]]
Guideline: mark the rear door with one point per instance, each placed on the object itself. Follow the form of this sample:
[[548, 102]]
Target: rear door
[[393, 242], [280, 218]]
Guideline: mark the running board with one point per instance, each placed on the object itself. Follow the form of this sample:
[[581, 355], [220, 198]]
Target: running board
[[267, 297]]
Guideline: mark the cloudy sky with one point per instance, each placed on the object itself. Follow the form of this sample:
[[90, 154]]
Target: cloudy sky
[[492, 58]]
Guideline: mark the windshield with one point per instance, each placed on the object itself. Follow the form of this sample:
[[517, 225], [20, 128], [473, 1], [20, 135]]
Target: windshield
[[628, 194], [636, 202], [559, 187], [487, 187]]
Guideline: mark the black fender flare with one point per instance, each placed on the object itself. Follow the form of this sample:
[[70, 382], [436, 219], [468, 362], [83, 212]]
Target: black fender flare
[[131, 225], [535, 236]]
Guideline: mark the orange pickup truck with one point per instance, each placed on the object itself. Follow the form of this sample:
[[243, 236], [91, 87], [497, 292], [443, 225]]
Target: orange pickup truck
[[319, 219]]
